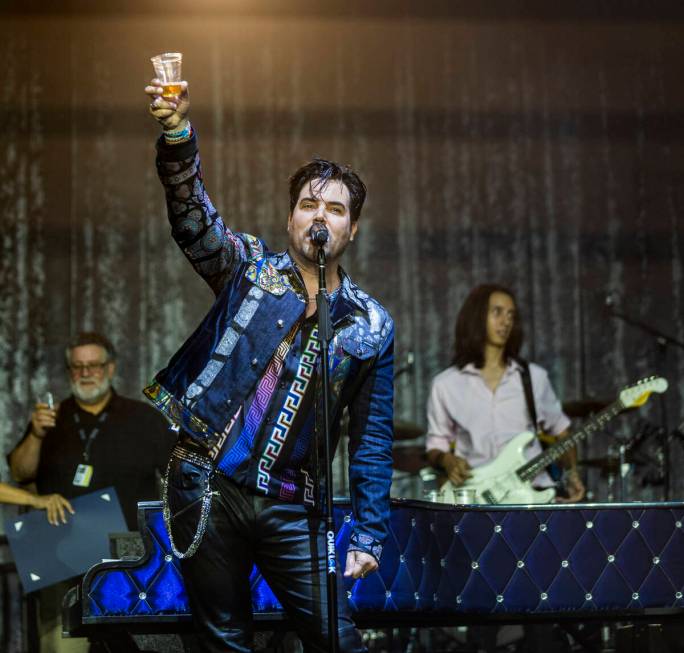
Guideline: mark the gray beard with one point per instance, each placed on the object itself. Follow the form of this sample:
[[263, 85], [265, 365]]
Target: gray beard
[[91, 395]]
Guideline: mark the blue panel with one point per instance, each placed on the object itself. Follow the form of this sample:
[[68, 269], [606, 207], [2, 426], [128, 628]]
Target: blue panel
[[634, 558], [389, 571], [565, 593], [449, 560], [521, 594], [520, 530], [476, 528], [542, 561], [588, 559], [612, 590], [657, 590], [497, 564], [657, 529], [263, 599], [611, 527], [477, 594], [369, 594], [167, 593], [455, 566], [403, 588], [672, 558], [565, 529], [113, 594]]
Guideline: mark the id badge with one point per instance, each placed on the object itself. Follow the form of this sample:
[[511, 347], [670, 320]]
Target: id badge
[[83, 475]]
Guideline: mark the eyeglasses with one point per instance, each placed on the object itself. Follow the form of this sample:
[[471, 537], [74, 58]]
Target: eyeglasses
[[77, 369]]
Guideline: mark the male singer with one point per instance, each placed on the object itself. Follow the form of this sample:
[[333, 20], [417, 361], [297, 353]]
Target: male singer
[[245, 393]]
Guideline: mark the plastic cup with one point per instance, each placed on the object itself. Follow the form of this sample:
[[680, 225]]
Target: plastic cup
[[464, 496], [167, 68], [47, 399]]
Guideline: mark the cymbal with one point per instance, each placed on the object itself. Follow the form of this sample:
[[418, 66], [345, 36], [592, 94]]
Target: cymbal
[[583, 407], [407, 430], [409, 459]]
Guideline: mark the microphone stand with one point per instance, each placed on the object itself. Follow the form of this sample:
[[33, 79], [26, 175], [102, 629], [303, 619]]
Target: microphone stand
[[662, 340], [325, 335]]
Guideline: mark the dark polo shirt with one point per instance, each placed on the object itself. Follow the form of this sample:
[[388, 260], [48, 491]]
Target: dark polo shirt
[[131, 443]]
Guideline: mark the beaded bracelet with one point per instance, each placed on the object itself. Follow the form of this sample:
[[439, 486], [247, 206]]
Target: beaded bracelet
[[179, 136]]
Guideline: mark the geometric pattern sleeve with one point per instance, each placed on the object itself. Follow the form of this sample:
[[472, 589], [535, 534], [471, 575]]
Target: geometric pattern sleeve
[[210, 246]]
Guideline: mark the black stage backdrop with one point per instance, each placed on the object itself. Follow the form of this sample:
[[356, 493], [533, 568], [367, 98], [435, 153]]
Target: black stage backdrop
[[536, 144]]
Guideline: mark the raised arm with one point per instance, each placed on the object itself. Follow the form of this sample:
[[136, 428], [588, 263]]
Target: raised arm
[[210, 246], [24, 458]]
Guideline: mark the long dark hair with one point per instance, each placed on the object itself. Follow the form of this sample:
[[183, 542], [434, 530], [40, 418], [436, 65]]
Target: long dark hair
[[470, 334]]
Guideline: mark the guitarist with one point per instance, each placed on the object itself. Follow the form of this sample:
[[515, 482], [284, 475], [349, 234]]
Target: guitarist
[[479, 403]]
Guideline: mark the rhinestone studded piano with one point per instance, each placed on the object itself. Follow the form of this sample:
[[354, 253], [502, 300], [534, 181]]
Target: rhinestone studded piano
[[445, 563]]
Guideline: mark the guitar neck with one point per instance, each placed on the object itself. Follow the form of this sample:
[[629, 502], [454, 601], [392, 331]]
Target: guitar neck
[[537, 464]]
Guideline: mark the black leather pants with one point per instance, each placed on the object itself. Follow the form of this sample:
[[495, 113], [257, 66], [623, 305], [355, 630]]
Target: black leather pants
[[284, 540]]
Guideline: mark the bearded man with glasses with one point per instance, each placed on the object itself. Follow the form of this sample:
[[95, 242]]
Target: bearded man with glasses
[[93, 439]]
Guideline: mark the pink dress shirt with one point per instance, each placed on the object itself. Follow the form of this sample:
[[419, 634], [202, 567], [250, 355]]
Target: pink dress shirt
[[466, 417]]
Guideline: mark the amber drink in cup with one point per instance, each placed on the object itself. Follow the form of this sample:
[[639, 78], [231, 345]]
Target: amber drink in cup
[[167, 68]]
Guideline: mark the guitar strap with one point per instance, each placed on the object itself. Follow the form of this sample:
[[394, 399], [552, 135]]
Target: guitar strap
[[553, 469], [529, 395]]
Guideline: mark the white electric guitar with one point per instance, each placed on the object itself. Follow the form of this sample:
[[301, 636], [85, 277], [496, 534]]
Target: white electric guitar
[[508, 478]]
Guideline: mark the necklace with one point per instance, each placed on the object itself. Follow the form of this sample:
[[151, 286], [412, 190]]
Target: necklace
[[331, 294]]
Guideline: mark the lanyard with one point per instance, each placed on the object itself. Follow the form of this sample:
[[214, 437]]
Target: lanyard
[[87, 440]]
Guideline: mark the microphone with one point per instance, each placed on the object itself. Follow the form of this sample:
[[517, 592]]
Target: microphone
[[319, 234]]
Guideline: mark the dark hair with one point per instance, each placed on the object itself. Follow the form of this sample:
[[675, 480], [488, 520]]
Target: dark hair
[[471, 327], [91, 338], [328, 171]]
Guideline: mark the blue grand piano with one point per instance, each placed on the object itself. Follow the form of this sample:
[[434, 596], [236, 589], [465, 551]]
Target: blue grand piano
[[442, 565]]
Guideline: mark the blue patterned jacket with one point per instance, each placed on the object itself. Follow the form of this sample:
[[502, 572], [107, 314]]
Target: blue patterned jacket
[[256, 304]]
